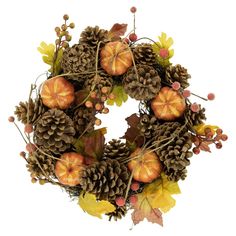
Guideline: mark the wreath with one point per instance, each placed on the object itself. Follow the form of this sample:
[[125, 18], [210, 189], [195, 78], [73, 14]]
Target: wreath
[[65, 147]]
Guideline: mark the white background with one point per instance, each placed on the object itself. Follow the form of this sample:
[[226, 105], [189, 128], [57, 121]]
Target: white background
[[205, 43]]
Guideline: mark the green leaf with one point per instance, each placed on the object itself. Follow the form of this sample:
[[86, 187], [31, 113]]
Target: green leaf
[[48, 52], [92, 144], [120, 96]]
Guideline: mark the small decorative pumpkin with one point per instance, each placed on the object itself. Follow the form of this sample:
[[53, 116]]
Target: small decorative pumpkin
[[68, 168], [57, 92], [116, 58], [145, 168], [168, 104]]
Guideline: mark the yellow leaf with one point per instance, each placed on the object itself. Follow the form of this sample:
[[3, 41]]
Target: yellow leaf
[[93, 207], [164, 43], [159, 193], [48, 51], [200, 129]]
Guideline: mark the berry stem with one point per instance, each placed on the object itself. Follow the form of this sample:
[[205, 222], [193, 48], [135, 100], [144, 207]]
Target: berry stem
[[199, 96], [134, 22], [22, 135]]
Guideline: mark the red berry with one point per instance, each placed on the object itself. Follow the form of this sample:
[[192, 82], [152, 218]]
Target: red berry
[[133, 9], [196, 150], [133, 199], [224, 137], [219, 131], [211, 96], [11, 119], [135, 186], [120, 201], [22, 154], [112, 96], [133, 37], [126, 40], [93, 95], [98, 122], [194, 107], [219, 145], [186, 93], [105, 110], [88, 104], [176, 85], [30, 147], [105, 90], [164, 53], [28, 128], [98, 107]]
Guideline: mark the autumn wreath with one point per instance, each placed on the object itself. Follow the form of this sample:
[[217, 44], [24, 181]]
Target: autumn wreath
[[139, 171]]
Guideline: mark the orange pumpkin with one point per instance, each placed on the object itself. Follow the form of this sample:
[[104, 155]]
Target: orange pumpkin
[[168, 104], [116, 58], [57, 92], [68, 168], [145, 168]]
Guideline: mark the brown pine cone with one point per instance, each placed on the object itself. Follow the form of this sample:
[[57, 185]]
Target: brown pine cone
[[177, 73], [147, 125], [93, 35], [41, 166], [195, 118], [173, 144], [96, 83], [78, 59], [144, 54], [36, 109], [115, 149], [54, 131], [143, 83], [118, 213], [84, 120], [106, 179]]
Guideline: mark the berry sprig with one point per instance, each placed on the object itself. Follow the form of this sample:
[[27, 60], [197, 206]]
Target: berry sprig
[[133, 36], [62, 42], [209, 137]]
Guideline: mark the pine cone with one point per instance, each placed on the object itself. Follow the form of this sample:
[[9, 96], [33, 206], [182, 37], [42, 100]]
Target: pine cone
[[115, 149], [118, 213], [144, 54], [147, 125], [40, 165], [98, 82], [106, 179], [93, 35], [174, 152], [161, 70], [144, 85], [78, 58], [36, 109], [84, 120], [54, 131], [195, 118], [177, 73]]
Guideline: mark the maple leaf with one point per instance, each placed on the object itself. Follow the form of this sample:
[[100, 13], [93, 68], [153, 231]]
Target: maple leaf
[[116, 31], [155, 196], [93, 207], [119, 96], [81, 96], [132, 134], [154, 216], [160, 192], [92, 144], [48, 51]]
